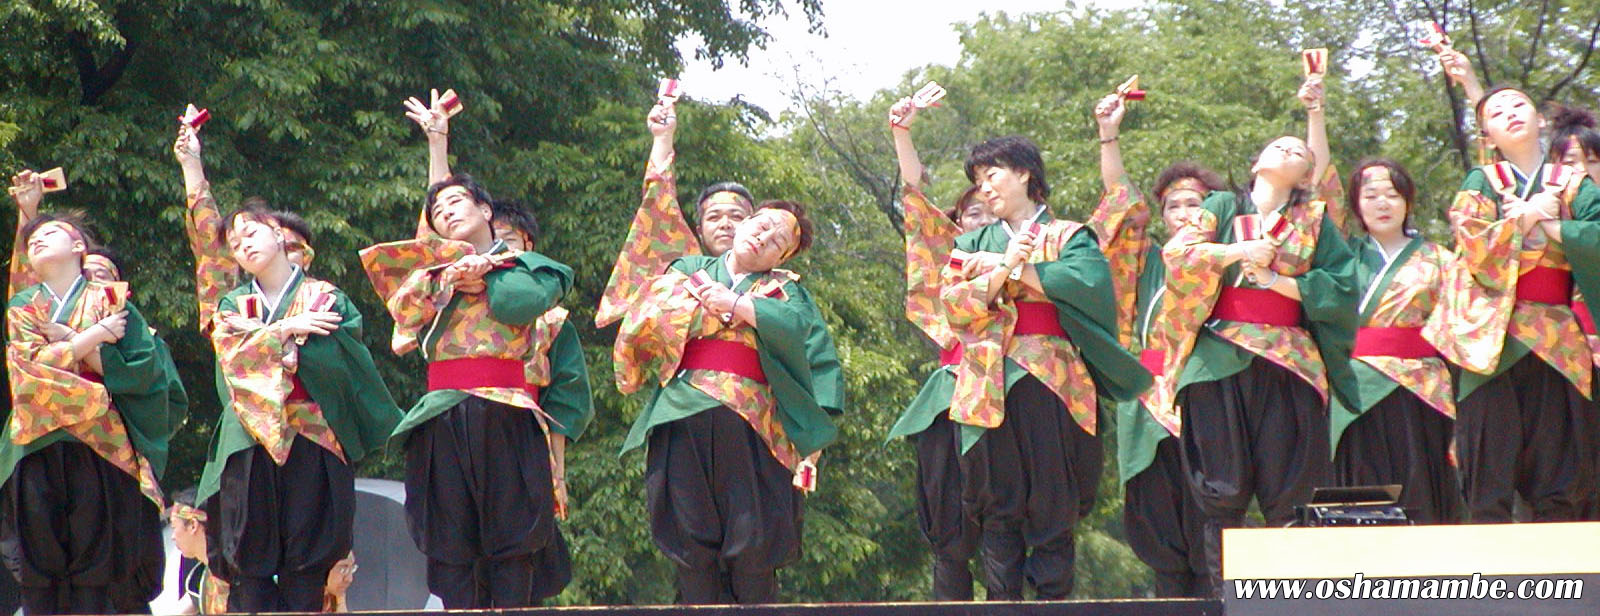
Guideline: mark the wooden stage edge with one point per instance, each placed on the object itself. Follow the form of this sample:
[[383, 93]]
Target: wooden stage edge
[[1119, 607]]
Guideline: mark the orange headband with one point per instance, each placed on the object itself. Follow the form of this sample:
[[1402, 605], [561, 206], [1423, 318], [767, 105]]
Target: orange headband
[[725, 197], [185, 512], [104, 262], [1185, 183], [789, 221]]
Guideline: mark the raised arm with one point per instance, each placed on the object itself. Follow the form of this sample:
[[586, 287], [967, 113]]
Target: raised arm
[[1315, 97], [435, 123], [215, 273], [27, 188], [1108, 115], [1458, 69], [901, 115], [658, 235]]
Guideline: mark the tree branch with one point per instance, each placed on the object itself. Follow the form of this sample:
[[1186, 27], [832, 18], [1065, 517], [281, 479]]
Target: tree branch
[[95, 80], [1477, 45], [1588, 52], [1533, 47]]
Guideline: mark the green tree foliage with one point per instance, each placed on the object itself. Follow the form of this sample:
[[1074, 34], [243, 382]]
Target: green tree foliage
[[306, 98]]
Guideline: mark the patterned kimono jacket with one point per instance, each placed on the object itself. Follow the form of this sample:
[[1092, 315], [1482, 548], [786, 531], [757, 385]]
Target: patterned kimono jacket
[[1079, 356], [784, 378], [1399, 294], [1510, 293], [1204, 348], [123, 415], [556, 369], [325, 388], [930, 236], [1139, 278]]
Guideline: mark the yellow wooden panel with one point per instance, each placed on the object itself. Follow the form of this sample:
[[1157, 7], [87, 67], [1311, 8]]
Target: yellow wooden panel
[[1396, 551]]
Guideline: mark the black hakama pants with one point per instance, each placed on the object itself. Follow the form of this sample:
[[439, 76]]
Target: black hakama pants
[[1526, 432], [1029, 481], [481, 506], [1402, 440], [273, 532], [78, 535], [1262, 434], [950, 531], [1164, 525], [722, 508]]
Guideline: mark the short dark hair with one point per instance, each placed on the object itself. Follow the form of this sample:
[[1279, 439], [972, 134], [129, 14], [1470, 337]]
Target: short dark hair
[[512, 213], [71, 219], [1567, 123], [733, 187], [802, 223], [476, 191], [185, 496], [252, 208], [293, 222], [1187, 169], [1397, 174], [1015, 153], [960, 207]]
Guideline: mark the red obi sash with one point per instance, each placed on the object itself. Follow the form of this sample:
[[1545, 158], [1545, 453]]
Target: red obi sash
[[723, 356], [1402, 342], [475, 372], [1256, 306], [1038, 318], [1585, 319], [952, 355], [1545, 285], [1153, 360], [299, 393]]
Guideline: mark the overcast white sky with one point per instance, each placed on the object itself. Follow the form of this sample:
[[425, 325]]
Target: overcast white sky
[[870, 44]]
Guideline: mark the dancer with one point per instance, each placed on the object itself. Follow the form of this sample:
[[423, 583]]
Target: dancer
[[1032, 302], [930, 236], [1260, 306], [80, 509], [719, 209], [1525, 391], [203, 591], [1160, 515], [554, 407], [216, 273], [1399, 430], [302, 402], [749, 380]]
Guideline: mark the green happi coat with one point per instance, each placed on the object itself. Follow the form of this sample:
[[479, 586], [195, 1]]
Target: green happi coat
[[797, 355], [1138, 434], [1327, 300], [516, 296], [139, 377], [1078, 283], [338, 373]]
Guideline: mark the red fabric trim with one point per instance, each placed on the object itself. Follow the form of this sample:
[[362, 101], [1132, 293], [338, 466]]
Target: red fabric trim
[[299, 392], [1153, 360], [1545, 285], [1402, 342], [952, 355], [723, 356], [1038, 318], [1585, 318], [474, 372], [1256, 306], [92, 377]]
